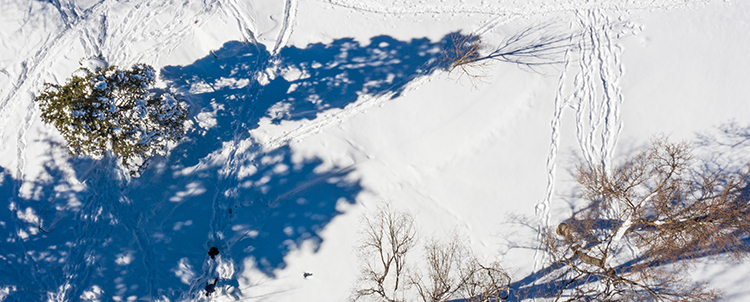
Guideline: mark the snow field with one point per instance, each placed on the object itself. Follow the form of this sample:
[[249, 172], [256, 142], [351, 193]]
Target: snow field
[[458, 154]]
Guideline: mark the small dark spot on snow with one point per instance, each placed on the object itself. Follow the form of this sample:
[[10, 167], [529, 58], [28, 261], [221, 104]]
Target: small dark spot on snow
[[213, 252]]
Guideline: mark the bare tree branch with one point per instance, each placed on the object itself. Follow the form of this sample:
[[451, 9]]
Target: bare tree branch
[[388, 236], [659, 206]]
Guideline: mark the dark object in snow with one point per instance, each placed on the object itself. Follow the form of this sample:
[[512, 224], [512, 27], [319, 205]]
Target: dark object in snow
[[307, 274], [213, 252], [210, 288]]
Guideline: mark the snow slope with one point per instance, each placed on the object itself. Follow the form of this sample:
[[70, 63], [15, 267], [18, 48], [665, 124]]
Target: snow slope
[[307, 114]]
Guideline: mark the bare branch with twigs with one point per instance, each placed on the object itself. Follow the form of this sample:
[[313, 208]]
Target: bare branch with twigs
[[531, 47], [647, 219]]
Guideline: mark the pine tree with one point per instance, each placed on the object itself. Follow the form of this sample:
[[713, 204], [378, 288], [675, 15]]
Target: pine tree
[[113, 110]]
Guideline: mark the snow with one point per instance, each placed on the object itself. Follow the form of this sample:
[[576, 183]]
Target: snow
[[310, 113], [101, 85]]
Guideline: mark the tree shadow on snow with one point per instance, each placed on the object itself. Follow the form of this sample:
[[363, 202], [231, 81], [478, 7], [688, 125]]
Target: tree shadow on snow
[[147, 238]]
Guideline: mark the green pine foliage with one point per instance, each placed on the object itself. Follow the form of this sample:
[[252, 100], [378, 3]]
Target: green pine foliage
[[113, 110]]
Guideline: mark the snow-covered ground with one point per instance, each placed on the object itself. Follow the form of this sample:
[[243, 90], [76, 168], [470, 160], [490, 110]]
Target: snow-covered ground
[[308, 113]]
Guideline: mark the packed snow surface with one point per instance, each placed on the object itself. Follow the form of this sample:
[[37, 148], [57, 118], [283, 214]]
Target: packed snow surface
[[305, 114]]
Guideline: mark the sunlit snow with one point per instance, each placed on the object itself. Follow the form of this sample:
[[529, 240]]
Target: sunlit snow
[[305, 115]]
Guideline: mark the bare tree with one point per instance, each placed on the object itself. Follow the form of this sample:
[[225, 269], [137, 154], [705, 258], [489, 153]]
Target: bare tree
[[483, 282], [450, 270], [646, 220], [441, 278], [464, 53], [533, 46], [389, 236]]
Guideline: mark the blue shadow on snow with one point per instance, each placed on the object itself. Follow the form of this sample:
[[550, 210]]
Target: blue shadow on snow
[[147, 238]]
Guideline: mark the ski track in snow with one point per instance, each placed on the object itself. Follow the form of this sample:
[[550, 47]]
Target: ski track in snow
[[38, 63], [244, 20], [290, 12], [596, 100], [173, 31], [542, 208], [527, 10], [599, 94]]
